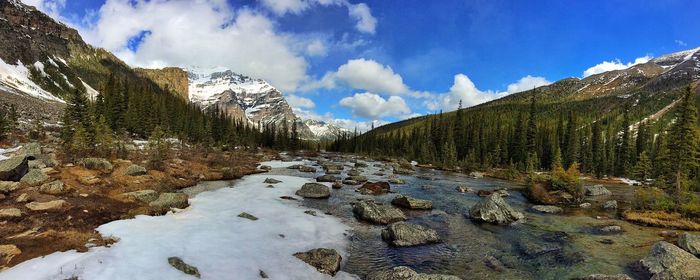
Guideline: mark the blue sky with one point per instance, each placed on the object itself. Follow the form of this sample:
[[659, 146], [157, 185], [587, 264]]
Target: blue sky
[[353, 62]]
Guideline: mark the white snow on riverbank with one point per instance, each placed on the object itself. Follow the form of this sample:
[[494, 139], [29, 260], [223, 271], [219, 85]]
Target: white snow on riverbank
[[209, 236], [284, 164]]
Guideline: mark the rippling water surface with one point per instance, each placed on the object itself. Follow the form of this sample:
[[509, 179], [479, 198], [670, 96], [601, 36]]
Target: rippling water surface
[[546, 246]]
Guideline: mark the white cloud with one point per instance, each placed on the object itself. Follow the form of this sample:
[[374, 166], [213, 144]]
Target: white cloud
[[316, 48], [52, 8], [616, 64], [348, 124], [527, 83], [364, 74], [372, 106], [300, 102], [681, 43], [365, 21]]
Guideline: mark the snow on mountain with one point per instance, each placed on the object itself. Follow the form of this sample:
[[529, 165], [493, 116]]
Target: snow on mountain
[[15, 78], [324, 130]]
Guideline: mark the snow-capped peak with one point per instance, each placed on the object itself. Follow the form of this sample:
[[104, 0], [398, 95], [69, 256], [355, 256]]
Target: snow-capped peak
[[206, 85], [323, 129], [676, 58]]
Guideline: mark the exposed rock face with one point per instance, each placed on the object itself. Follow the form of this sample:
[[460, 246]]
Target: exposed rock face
[[135, 170], [403, 235], [314, 190], [666, 261], [13, 169], [180, 265], [169, 78], [166, 201], [325, 260], [323, 130], [377, 213], [493, 209], [549, 209], [597, 190], [145, 196], [405, 273], [412, 203], [374, 188], [690, 243], [47, 206]]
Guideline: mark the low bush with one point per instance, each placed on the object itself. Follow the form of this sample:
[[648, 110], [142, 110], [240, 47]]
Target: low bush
[[652, 198]]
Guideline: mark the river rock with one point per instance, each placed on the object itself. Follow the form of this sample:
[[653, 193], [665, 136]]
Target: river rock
[[55, 187], [337, 185], [377, 213], [89, 180], [34, 177], [464, 189], [296, 166], [549, 209], [666, 261], [597, 190], [166, 201], [377, 188], [96, 164], [584, 205], [353, 172], [307, 169], [180, 265], [358, 178], [327, 178], [13, 169], [406, 273], [690, 243], [605, 277], [8, 186], [247, 216], [314, 190], [271, 181], [326, 261], [145, 196], [402, 234], [493, 209], [351, 182], [533, 250], [47, 206], [397, 181], [493, 263], [610, 204], [476, 175], [135, 170], [611, 229], [412, 203], [10, 213], [265, 167]]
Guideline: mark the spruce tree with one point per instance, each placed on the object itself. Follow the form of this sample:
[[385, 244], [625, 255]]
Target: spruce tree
[[642, 170], [104, 141], [684, 140], [3, 125]]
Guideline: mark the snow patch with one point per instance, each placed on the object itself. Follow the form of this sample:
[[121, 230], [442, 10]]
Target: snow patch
[[15, 78], [208, 235], [91, 92]]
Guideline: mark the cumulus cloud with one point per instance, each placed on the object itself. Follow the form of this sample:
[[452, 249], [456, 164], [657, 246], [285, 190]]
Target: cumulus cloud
[[527, 83], [363, 74], [616, 64], [366, 23], [316, 48], [372, 106], [52, 8], [300, 102]]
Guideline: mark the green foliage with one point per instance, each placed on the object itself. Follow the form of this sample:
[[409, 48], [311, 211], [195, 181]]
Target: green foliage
[[652, 198], [79, 145], [104, 139], [643, 169], [568, 180], [158, 148], [691, 208]]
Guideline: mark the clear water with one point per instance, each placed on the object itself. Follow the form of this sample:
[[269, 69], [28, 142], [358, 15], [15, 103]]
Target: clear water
[[466, 244]]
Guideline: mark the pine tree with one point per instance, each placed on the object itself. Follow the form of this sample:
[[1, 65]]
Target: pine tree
[[3, 125], [104, 141], [624, 153], [642, 170], [158, 148], [684, 140], [12, 118], [572, 142], [597, 150], [79, 145]]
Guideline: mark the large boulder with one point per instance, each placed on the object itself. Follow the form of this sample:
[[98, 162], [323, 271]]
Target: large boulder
[[412, 203], [14, 168], [405, 273], [376, 188], [597, 190], [166, 201], [690, 243], [493, 209], [666, 261], [327, 178], [96, 164], [135, 170], [326, 261], [403, 235], [145, 196], [55, 187], [314, 190], [34, 177], [377, 213]]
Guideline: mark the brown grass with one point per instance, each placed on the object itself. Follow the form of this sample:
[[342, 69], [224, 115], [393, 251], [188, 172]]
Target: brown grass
[[661, 219]]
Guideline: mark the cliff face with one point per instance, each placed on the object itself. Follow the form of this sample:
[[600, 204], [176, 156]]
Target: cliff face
[[169, 78]]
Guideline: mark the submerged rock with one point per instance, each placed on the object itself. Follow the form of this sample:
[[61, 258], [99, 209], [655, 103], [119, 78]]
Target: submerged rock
[[326, 261], [13, 169], [357, 178], [307, 169], [403, 171], [476, 175], [402, 234], [377, 213], [180, 265], [549, 209], [406, 273], [597, 190], [351, 182], [493, 263], [412, 203], [377, 188], [314, 190], [690, 243], [533, 250], [666, 261], [611, 229], [493, 209]]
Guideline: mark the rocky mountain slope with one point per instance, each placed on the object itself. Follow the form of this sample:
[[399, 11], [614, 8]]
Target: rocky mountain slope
[[647, 89], [324, 130]]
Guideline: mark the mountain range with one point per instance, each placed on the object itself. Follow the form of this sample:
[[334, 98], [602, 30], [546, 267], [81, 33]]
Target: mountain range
[[42, 60]]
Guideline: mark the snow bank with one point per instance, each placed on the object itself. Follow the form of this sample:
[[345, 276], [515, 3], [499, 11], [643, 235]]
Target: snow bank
[[284, 164], [16, 78], [208, 235], [630, 182]]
